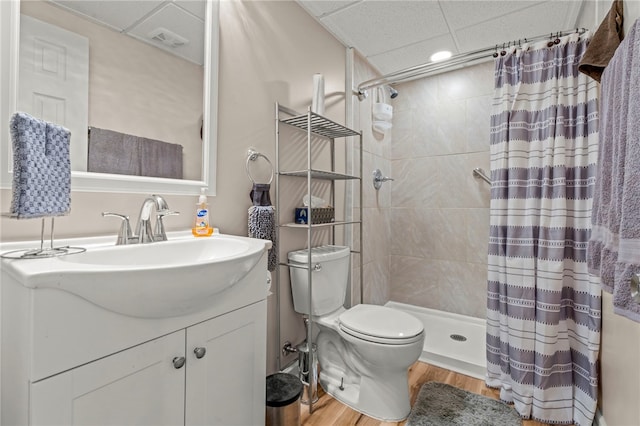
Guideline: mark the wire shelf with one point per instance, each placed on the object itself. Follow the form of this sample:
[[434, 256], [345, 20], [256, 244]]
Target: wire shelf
[[317, 225], [319, 174], [320, 126]]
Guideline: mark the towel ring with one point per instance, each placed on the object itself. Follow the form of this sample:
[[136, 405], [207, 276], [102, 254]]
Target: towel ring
[[252, 155]]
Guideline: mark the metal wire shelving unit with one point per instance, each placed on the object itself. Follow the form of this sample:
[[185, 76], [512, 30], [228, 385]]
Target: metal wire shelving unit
[[314, 125]]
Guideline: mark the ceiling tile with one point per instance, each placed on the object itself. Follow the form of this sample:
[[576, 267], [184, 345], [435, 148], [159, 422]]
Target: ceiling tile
[[120, 18], [320, 8], [197, 7], [465, 13], [375, 27], [409, 56], [179, 22], [537, 20]]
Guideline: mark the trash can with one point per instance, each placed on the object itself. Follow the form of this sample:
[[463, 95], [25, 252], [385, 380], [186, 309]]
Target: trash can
[[283, 399]]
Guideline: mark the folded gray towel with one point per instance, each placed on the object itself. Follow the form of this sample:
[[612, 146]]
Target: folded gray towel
[[41, 168], [113, 152], [160, 159], [120, 153]]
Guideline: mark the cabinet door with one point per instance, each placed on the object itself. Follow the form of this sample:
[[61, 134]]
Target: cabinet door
[[226, 385], [138, 386]]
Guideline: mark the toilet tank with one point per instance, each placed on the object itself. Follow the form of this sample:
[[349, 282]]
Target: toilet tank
[[330, 274]]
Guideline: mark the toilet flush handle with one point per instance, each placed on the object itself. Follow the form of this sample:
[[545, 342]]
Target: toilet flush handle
[[317, 267]]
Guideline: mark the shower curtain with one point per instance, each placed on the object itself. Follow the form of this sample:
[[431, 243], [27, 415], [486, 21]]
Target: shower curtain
[[543, 308]]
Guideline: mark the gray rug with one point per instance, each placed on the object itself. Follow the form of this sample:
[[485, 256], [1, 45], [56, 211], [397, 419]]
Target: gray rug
[[438, 404]]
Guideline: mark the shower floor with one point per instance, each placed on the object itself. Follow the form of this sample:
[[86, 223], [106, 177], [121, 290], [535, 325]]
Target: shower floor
[[440, 349]]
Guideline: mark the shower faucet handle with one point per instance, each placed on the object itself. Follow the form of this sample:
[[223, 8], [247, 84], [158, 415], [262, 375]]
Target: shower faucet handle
[[379, 179]]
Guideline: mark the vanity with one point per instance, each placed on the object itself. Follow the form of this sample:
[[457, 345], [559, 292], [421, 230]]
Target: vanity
[[168, 333]]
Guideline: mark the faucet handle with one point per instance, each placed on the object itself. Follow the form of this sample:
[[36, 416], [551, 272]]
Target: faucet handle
[[125, 234], [160, 234]]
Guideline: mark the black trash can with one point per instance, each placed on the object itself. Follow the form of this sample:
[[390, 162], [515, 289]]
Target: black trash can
[[283, 399]]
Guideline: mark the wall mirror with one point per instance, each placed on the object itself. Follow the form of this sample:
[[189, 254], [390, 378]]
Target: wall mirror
[[140, 72]]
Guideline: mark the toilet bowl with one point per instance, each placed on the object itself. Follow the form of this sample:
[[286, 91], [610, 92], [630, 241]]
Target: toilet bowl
[[365, 351]]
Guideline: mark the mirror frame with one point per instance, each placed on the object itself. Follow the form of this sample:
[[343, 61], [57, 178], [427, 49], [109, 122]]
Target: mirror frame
[[103, 182]]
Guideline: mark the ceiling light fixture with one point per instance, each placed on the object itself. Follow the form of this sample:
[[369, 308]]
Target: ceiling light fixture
[[440, 56]]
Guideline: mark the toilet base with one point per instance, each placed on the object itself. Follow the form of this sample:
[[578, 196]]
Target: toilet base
[[386, 398]]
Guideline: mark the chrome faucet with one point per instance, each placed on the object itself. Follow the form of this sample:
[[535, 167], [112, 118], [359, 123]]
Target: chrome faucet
[[144, 233]]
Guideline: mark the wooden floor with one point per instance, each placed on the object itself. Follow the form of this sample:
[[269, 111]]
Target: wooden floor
[[328, 411]]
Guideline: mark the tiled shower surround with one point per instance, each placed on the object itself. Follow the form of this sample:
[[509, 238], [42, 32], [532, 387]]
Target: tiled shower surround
[[439, 210], [426, 233]]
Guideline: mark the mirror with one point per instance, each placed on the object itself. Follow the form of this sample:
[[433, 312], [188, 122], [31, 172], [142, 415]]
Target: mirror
[[159, 100]]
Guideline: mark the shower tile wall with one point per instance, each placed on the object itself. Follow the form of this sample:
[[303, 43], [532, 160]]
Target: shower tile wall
[[376, 204], [439, 212]]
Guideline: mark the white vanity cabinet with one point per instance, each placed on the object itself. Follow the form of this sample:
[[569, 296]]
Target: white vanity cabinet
[[138, 386], [211, 373], [69, 361], [227, 385]]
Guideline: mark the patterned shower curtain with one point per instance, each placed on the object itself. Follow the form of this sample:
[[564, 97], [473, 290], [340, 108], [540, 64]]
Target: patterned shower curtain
[[543, 308]]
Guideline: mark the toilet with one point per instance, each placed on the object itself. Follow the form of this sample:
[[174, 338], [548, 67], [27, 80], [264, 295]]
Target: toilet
[[365, 351]]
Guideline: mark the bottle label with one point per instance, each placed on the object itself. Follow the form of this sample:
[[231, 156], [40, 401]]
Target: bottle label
[[202, 218]]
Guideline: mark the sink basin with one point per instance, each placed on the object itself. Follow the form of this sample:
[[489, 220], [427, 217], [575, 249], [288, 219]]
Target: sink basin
[[157, 280]]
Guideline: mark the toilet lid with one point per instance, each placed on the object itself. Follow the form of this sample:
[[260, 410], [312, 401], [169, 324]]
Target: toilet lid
[[381, 324]]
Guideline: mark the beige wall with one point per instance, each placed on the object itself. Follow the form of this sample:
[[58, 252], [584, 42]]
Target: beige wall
[[620, 350], [269, 51], [134, 87], [439, 210]]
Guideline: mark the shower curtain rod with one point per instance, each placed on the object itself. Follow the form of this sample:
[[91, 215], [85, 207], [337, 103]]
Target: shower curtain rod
[[455, 61]]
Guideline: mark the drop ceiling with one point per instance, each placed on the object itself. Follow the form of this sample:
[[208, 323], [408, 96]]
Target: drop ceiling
[[397, 34], [180, 23]]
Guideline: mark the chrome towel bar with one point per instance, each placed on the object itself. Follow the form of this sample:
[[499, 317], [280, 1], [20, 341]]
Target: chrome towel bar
[[481, 174]]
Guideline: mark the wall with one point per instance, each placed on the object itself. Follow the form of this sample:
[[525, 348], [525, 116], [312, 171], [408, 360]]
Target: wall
[[269, 51], [620, 342], [439, 210], [128, 78]]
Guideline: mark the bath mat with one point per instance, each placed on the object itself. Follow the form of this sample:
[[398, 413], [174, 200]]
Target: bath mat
[[439, 404]]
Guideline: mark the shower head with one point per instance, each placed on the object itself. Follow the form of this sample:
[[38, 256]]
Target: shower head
[[392, 92]]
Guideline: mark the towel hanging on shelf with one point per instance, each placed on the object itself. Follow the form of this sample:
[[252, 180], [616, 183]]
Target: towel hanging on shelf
[[41, 168]]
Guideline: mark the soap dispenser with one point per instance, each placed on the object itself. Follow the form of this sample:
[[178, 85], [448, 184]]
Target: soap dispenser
[[202, 226]]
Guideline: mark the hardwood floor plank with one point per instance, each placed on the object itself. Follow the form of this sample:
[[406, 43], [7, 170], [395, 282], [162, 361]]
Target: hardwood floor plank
[[329, 412]]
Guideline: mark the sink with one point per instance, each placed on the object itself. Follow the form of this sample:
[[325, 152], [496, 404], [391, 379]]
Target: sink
[[164, 279]]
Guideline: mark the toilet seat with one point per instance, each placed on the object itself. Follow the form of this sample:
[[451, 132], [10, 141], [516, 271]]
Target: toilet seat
[[379, 324]]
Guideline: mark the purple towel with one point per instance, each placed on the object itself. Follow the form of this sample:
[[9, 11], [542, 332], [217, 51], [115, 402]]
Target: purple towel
[[614, 248], [41, 168]]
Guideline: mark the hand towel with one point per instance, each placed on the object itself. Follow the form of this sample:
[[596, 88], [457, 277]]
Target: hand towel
[[124, 154], [604, 43], [262, 224], [41, 168], [160, 159], [614, 247], [113, 152], [260, 194]]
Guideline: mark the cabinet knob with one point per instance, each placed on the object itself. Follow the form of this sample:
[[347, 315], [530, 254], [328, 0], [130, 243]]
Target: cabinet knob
[[200, 352], [178, 362]]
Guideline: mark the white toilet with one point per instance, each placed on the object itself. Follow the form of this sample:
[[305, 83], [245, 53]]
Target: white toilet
[[365, 351]]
